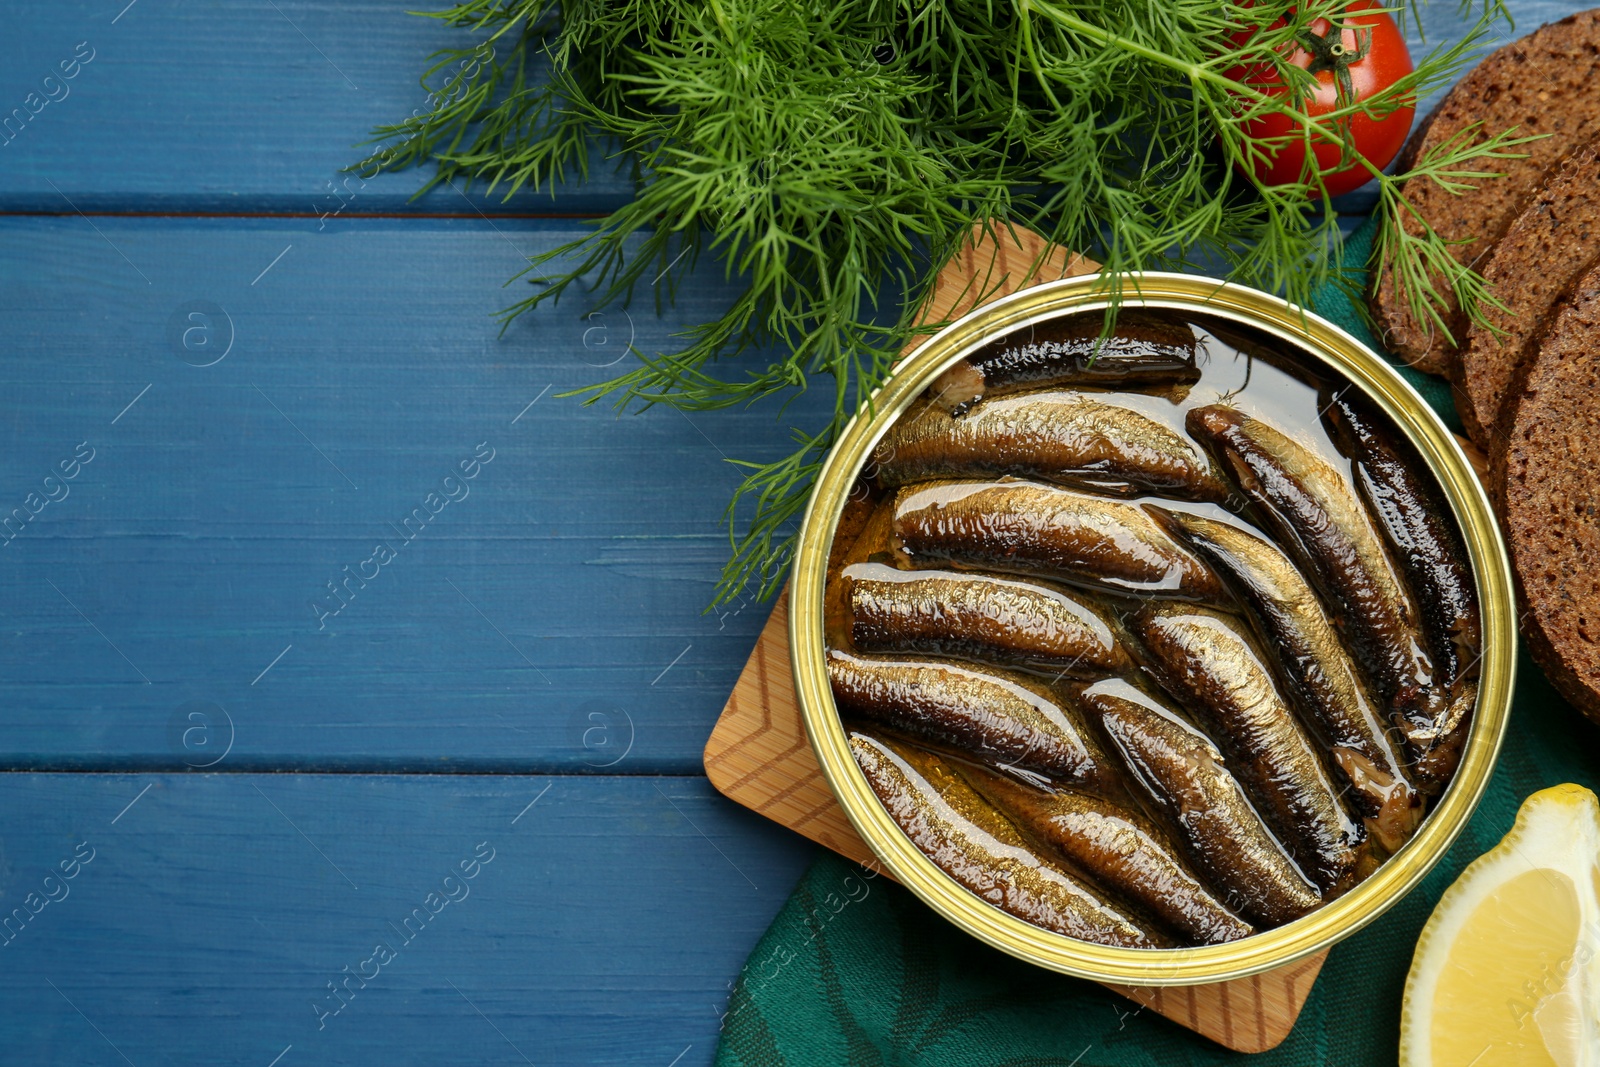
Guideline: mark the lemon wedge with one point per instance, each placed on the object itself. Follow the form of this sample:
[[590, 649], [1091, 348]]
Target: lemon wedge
[[1507, 970]]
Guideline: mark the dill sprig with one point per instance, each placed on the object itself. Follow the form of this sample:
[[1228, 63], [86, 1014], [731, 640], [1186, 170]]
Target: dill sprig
[[830, 155]]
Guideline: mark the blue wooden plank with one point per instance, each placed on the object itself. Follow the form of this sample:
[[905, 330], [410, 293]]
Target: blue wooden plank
[[205, 917], [544, 612], [251, 107]]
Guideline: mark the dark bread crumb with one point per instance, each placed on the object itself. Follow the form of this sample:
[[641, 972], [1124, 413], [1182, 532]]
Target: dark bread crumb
[[1543, 83], [1551, 244], [1544, 472]]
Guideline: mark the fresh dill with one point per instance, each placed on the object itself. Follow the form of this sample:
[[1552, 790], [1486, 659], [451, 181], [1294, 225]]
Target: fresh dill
[[829, 155]]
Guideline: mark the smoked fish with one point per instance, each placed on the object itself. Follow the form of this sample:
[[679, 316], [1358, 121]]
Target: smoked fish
[[1147, 348], [1047, 532], [974, 844], [1314, 513], [1005, 719], [1317, 669], [1416, 523], [1205, 661], [1188, 780], [978, 617], [1068, 437], [1119, 849]]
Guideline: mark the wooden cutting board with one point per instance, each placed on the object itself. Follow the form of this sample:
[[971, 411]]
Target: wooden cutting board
[[758, 753]]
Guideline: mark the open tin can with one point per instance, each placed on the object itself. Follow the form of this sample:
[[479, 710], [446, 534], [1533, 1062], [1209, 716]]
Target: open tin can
[[1319, 345]]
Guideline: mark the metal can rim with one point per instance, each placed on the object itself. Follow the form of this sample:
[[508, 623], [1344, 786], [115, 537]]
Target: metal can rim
[[1318, 339]]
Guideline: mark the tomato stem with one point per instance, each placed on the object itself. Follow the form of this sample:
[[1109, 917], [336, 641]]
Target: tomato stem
[[1328, 53]]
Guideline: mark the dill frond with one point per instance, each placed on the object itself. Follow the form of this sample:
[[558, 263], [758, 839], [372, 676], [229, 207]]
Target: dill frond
[[828, 155]]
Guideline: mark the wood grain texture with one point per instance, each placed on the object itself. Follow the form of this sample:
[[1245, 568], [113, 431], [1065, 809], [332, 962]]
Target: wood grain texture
[[992, 263], [551, 619], [1251, 1015], [216, 909], [759, 755]]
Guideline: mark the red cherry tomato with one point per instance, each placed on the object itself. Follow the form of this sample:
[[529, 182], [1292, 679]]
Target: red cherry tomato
[[1364, 56]]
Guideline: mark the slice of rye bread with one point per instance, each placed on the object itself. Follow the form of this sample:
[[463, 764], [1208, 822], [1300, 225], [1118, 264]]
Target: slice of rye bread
[[1551, 244], [1543, 471], [1544, 83]]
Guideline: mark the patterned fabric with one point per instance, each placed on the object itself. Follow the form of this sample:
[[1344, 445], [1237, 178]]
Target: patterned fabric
[[856, 971]]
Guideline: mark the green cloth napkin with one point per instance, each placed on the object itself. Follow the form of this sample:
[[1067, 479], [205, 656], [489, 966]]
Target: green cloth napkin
[[855, 970]]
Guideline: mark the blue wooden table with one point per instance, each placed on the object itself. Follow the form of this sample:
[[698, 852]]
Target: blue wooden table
[[354, 684]]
